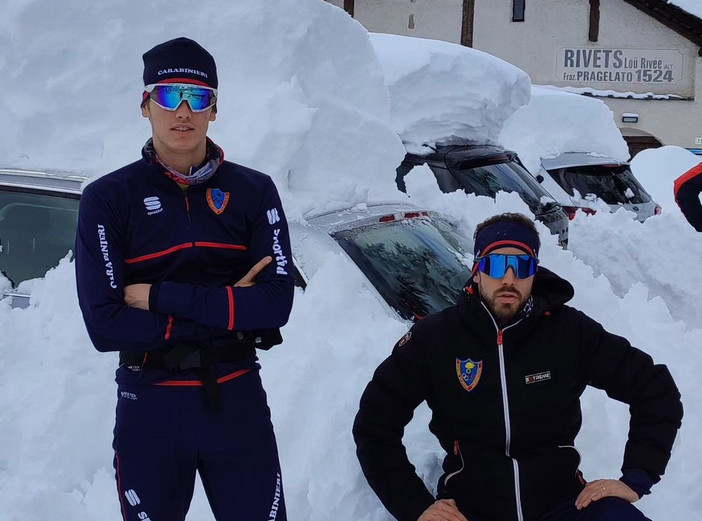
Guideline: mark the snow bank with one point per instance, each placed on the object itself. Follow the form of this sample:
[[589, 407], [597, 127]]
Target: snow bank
[[442, 91], [555, 121], [302, 96]]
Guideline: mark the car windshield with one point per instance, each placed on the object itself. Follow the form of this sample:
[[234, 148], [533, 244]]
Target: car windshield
[[508, 177], [612, 184], [417, 265], [36, 230]]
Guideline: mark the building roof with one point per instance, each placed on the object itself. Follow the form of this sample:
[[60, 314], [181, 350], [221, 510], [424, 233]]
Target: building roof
[[673, 17]]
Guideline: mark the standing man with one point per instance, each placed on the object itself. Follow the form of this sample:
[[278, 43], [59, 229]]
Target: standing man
[[687, 189], [503, 372], [183, 265]]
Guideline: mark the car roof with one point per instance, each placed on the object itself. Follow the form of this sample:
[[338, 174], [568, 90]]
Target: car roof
[[361, 215], [462, 152], [65, 182], [569, 159]]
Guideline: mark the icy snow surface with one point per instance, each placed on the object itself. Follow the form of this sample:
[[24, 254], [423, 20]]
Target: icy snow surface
[[303, 98]]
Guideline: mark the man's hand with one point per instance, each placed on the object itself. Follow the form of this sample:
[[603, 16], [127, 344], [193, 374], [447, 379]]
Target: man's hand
[[442, 510], [601, 488], [249, 279], [137, 296]]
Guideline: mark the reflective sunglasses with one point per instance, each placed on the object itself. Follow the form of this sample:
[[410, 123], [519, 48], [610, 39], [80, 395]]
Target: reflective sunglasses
[[496, 265], [169, 96]]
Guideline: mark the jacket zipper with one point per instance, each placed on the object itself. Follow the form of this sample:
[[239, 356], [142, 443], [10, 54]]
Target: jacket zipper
[[456, 452], [187, 205], [505, 406]]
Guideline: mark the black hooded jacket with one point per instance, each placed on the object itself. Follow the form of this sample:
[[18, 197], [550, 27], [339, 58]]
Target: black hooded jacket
[[505, 406], [687, 190]]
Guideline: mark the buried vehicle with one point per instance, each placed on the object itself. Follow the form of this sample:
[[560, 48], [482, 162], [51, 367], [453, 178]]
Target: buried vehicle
[[486, 170], [589, 182], [415, 260]]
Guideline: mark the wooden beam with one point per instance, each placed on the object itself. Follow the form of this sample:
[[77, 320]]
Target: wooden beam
[[594, 32], [349, 6], [467, 24]]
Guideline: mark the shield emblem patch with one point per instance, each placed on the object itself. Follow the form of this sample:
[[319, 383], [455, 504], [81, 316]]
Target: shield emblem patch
[[217, 200], [469, 373]]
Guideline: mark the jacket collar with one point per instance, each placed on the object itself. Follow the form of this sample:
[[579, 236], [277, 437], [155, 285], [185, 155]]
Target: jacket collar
[[548, 292]]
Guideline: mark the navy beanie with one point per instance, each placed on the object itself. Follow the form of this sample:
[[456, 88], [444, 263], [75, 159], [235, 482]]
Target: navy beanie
[[180, 61], [507, 234]]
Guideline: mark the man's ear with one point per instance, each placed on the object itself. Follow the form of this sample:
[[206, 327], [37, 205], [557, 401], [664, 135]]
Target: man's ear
[[145, 110], [213, 113], [476, 277]]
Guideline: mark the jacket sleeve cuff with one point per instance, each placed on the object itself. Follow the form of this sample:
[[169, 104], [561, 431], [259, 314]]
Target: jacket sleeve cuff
[[153, 296], [639, 481]]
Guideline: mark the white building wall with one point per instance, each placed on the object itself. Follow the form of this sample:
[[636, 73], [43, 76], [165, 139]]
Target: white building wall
[[435, 19], [539, 45], [554, 34]]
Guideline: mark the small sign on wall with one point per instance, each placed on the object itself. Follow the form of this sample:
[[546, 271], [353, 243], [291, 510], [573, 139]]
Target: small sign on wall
[[698, 141], [626, 66]]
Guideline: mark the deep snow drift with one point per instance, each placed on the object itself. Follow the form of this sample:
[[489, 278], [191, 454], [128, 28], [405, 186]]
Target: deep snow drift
[[303, 99]]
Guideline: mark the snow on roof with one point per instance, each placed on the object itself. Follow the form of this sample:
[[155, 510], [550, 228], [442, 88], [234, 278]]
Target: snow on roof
[[556, 121], [441, 91]]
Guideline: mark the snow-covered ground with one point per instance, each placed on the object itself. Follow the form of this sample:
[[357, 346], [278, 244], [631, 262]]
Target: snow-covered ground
[[303, 98]]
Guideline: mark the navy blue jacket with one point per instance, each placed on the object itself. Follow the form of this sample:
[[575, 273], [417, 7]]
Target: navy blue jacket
[[136, 225], [687, 191]]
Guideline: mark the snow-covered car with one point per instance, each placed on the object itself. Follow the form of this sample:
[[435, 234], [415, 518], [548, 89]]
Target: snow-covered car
[[486, 170], [38, 219], [414, 259], [589, 182]]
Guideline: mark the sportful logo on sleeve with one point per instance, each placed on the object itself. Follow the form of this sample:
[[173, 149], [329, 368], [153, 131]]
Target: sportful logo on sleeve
[[280, 259], [273, 216]]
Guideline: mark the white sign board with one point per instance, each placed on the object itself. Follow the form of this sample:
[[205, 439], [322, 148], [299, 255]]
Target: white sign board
[[626, 66]]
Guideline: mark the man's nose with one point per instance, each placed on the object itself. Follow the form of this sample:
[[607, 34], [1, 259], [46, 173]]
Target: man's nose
[[183, 110], [510, 276]]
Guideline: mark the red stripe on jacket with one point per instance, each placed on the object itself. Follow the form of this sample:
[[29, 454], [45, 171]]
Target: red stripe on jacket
[[693, 172], [185, 246]]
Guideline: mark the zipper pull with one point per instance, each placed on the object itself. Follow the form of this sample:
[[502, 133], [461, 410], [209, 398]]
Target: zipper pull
[[456, 448], [499, 337]]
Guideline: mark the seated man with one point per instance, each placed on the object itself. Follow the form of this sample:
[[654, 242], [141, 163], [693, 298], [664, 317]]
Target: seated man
[[503, 372]]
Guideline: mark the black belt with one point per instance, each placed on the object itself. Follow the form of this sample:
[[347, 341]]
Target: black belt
[[181, 356], [200, 356], [184, 355]]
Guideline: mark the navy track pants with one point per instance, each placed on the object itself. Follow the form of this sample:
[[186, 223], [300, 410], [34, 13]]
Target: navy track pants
[[164, 435], [606, 509]]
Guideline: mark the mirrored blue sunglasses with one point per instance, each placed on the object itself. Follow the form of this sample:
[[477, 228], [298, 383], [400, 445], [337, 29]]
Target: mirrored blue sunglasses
[[169, 96], [496, 265]]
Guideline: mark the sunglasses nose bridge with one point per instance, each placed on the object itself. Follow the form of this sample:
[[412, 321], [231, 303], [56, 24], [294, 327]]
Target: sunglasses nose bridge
[[184, 108]]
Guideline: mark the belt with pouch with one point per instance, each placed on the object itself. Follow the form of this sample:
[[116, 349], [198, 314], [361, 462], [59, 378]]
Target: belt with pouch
[[200, 356]]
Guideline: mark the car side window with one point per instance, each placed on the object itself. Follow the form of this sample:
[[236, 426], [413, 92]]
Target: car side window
[[36, 231], [445, 179]]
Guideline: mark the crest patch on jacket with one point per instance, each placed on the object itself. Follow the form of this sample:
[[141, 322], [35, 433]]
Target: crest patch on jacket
[[468, 372], [217, 200]]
